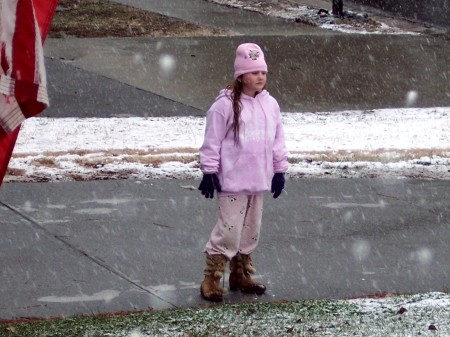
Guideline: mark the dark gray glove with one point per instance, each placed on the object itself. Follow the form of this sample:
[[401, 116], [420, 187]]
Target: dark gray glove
[[208, 184], [277, 184]]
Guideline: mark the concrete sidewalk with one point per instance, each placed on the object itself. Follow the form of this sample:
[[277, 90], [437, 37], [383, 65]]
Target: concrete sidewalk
[[95, 247]]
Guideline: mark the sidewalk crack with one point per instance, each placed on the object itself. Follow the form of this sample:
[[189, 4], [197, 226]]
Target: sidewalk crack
[[93, 259]]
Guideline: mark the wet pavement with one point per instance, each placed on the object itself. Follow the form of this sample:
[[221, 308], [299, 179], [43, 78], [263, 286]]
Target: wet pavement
[[306, 73], [108, 246], [236, 21], [309, 70]]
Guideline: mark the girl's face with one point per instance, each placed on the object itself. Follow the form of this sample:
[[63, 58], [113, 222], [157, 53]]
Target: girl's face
[[253, 83]]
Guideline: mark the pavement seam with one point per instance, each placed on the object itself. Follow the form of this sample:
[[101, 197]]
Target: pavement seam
[[93, 259]]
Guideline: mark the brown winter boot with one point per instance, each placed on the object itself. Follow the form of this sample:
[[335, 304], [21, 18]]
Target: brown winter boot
[[214, 270], [241, 267]]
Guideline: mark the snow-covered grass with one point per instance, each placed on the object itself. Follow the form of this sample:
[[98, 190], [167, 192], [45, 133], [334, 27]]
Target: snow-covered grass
[[306, 14], [392, 316], [409, 142]]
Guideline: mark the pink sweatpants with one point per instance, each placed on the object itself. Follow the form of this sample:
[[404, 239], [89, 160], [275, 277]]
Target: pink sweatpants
[[238, 225]]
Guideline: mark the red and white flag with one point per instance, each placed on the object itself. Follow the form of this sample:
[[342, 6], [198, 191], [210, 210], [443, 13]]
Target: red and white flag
[[23, 84]]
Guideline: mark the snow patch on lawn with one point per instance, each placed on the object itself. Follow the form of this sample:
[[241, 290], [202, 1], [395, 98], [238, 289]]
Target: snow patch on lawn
[[410, 142], [354, 23]]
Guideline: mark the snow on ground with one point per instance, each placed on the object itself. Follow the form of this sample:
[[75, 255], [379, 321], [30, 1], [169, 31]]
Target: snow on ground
[[354, 23], [390, 316], [409, 142], [393, 316]]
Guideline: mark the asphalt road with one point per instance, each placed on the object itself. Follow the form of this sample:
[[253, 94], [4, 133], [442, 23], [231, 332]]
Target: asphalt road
[[306, 73], [310, 69]]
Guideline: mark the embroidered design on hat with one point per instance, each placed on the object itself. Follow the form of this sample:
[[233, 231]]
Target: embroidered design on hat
[[253, 54]]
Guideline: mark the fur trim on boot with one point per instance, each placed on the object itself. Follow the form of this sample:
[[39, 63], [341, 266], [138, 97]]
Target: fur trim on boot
[[210, 288], [241, 267]]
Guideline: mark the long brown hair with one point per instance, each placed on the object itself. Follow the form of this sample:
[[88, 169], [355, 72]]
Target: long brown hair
[[236, 91]]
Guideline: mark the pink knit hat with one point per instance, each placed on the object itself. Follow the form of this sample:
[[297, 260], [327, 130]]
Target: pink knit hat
[[249, 58]]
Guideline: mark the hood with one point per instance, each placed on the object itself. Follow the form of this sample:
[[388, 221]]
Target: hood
[[227, 93], [224, 93]]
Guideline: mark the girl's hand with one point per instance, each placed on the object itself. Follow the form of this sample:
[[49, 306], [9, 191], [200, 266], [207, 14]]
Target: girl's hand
[[277, 184], [208, 184]]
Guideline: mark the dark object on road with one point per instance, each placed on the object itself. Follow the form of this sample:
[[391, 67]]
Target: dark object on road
[[323, 12], [338, 8]]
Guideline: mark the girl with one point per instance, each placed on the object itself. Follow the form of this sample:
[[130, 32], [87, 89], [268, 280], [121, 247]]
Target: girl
[[242, 156]]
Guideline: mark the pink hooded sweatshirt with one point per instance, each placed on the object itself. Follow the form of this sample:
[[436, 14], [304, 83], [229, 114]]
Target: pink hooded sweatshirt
[[248, 166]]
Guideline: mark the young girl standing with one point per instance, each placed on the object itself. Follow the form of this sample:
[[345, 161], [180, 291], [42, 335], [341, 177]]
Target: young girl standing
[[243, 155]]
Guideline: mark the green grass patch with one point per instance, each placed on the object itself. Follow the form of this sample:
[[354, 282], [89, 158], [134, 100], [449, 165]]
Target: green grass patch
[[396, 316], [270, 319]]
